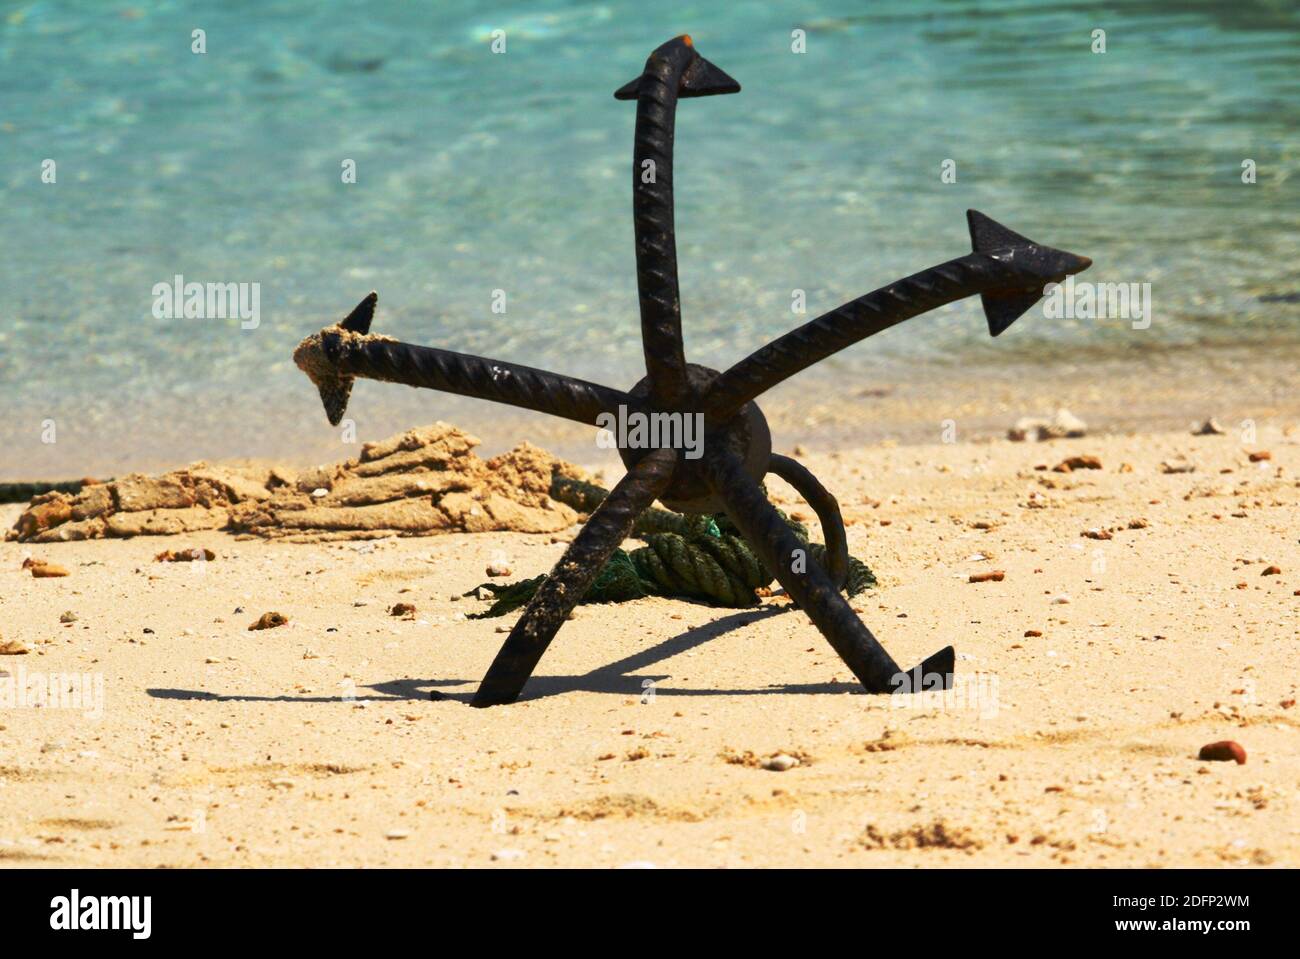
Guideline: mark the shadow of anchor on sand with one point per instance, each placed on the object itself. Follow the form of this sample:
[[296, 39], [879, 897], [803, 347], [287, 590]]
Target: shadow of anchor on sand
[[622, 678]]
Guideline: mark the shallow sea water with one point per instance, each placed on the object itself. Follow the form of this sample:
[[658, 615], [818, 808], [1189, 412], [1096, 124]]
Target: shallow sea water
[[479, 172]]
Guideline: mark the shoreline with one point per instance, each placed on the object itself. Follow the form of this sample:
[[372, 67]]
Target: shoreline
[[832, 409]]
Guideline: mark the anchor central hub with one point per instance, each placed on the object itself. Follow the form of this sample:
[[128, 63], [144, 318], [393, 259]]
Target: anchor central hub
[[683, 426]]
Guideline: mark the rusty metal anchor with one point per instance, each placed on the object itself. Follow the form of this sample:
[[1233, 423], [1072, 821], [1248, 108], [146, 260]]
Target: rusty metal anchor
[[1007, 270]]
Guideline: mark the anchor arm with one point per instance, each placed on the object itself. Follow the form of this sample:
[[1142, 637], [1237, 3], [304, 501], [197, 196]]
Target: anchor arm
[[337, 355], [672, 71], [1008, 270], [810, 587], [572, 576]]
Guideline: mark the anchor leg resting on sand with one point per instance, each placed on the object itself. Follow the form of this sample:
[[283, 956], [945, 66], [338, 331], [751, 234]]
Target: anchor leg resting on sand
[[572, 576], [808, 585]]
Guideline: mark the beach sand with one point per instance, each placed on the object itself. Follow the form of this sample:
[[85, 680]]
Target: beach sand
[[318, 744]]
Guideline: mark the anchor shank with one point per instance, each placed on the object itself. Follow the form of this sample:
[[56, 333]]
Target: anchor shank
[[856, 320], [378, 358]]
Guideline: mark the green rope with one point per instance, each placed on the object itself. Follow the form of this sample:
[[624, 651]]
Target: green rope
[[688, 555]]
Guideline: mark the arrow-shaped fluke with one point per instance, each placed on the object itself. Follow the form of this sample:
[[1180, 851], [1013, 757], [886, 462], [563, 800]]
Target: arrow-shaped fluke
[[1039, 264], [358, 321], [705, 79], [699, 78], [1003, 309], [629, 91], [315, 358], [334, 395]]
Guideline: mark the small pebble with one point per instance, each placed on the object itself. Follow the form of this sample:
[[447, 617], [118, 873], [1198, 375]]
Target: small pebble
[[1223, 751], [269, 621], [184, 555], [1073, 463], [43, 570], [1271, 571], [68, 617], [993, 575], [780, 762], [498, 569]]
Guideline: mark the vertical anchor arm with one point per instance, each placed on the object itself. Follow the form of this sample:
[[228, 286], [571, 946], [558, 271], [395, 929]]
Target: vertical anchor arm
[[673, 70], [653, 219]]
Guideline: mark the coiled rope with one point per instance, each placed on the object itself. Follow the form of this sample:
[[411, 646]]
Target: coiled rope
[[686, 555]]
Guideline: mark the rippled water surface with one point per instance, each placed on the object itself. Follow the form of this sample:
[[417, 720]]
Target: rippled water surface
[[479, 172]]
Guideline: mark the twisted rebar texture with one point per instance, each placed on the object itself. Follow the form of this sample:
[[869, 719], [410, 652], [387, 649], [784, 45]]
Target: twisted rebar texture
[[673, 70], [1007, 270], [377, 358], [572, 577], [652, 219], [1020, 269]]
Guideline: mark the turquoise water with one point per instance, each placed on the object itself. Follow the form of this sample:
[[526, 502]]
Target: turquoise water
[[479, 171]]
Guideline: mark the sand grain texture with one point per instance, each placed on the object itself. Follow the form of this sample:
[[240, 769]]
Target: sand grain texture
[[645, 735]]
